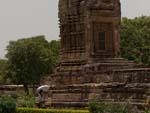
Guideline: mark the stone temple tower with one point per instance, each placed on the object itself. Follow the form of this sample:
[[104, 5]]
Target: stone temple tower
[[90, 66], [89, 30]]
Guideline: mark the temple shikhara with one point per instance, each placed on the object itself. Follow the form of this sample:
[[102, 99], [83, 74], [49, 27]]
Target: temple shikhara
[[89, 30], [90, 67]]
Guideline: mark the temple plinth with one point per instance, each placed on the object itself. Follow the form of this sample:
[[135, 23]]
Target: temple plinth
[[90, 66]]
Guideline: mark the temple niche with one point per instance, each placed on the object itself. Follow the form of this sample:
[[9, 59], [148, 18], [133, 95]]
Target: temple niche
[[90, 66]]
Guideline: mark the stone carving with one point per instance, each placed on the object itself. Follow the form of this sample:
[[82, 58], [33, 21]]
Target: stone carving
[[100, 4]]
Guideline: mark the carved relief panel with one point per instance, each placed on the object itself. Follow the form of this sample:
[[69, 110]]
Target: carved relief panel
[[101, 4]]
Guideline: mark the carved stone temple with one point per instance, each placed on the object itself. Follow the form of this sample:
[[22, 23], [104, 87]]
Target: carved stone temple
[[90, 66]]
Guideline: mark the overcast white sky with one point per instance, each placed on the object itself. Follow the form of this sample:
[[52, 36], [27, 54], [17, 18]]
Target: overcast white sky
[[26, 18]]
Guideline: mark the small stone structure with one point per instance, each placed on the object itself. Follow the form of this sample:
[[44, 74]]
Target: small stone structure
[[90, 66], [10, 89]]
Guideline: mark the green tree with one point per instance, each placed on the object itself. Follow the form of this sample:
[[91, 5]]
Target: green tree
[[135, 39], [29, 60], [3, 69], [55, 48]]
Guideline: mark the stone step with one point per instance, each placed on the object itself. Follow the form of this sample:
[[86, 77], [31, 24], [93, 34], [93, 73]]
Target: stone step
[[70, 104], [100, 67], [121, 60]]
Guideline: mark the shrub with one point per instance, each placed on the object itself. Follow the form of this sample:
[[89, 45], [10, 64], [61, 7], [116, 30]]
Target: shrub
[[36, 110], [119, 109], [7, 105], [26, 102], [147, 110], [108, 108], [98, 107]]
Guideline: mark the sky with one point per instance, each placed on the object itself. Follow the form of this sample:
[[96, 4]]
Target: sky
[[27, 18]]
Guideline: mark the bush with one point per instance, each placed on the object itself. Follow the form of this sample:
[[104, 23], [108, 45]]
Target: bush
[[26, 102], [147, 110], [107, 108], [98, 107], [119, 109], [7, 105], [36, 110]]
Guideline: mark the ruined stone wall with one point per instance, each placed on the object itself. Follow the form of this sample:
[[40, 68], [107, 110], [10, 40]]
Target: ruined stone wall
[[10, 90]]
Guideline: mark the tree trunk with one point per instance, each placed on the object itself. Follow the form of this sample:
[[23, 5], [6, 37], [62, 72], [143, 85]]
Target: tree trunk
[[26, 89], [34, 89]]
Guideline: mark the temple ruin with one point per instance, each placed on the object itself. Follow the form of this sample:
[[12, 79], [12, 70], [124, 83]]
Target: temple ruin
[[90, 66]]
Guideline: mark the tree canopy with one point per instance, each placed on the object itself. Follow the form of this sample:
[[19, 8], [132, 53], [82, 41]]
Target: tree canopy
[[3, 69], [30, 59], [55, 48], [135, 39]]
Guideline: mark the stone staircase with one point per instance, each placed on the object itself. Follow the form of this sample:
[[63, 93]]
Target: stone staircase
[[112, 80]]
